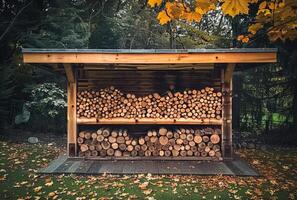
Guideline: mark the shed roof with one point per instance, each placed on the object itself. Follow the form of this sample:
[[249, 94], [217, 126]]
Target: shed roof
[[91, 60], [137, 67], [149, 56]]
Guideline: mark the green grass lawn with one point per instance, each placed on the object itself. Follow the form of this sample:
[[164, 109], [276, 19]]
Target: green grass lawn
[[19, 180]]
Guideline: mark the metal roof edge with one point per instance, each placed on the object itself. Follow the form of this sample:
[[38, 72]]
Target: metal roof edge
[[163, 51]]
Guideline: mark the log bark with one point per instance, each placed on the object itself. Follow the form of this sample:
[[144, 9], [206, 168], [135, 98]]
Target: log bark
[[181, 142], [112, 103]]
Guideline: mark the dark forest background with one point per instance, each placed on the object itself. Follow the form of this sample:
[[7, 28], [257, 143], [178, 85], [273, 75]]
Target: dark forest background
[[33, 99]]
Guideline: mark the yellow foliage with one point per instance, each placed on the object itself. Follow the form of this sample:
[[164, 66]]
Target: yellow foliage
[[262, 5], [240, 37], [192, 16], [163, 17], [175, 10], [254, 28], [282, 16], [279, 15], [203, 6], [271, 6], [235, 7], [243, 39], [153, 3]]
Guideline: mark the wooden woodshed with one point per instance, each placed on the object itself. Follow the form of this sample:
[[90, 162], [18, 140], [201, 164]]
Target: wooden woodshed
[[143, 72]]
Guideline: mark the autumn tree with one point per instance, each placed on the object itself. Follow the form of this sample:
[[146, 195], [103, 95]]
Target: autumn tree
[[278, 17]]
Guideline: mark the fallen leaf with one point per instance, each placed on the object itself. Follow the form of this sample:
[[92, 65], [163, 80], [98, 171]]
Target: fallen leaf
[[147, 192], [51, 194], [49, 184], [37, 189], [143, 185], [258, 192]]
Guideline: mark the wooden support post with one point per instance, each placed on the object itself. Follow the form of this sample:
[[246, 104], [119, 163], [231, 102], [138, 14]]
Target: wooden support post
[[227, 112], [71, 111], [229, 72], [69, 73]]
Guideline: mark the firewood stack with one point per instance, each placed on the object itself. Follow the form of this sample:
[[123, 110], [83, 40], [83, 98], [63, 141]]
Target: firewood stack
[[178, 143], [112, 103]]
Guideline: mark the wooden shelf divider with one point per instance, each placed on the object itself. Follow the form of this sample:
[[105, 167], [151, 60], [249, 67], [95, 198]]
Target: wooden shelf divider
[[152, 158], [132, 121]]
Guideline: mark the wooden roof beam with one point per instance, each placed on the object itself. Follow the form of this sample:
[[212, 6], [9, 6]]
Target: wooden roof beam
[[151, 58]]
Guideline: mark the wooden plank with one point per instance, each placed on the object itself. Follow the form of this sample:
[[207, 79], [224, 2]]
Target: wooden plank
[[223, 126], [136, 167], [227, 118], [64, 167], [236, 167], [73, 167], [149, 121], [84, 166], [229, 72], [95, 168], [71, 118], [54, 165], [69, 73], [152, 67], [240, 168], [151, 158], [151, 58], [148, 73], [203, 65], [213, 168], [143, 83], [245, 169], [110, 167], [169, 168]]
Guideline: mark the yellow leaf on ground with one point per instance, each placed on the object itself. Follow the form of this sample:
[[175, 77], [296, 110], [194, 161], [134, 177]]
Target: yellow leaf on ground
[[147, 192], [163, 18], [258, 192], [143, 185], [51, 194], [235, 7], [37, 189], [153, 3], [49, 184], [256, 162]]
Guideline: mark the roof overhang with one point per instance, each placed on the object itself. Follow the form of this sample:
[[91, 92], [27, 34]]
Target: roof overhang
[[149, 57], [88, 61]]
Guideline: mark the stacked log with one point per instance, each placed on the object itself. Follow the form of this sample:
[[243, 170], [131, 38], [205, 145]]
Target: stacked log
[[181, 142], [112, 103]]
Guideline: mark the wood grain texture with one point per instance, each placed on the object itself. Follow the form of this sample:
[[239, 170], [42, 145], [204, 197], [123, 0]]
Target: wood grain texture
[[69, 73], [149, 121], [229, 72], [151, 58], [71, 116]]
